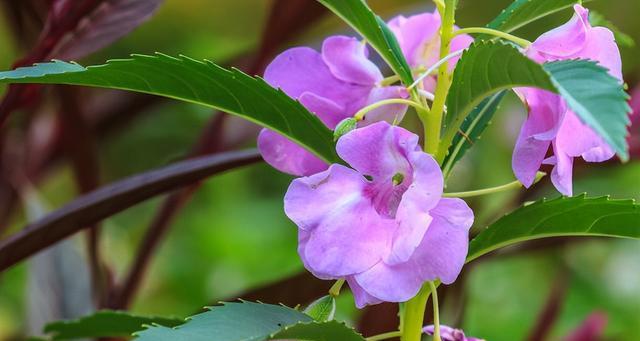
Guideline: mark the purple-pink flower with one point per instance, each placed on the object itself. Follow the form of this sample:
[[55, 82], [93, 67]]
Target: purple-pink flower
[[334, 84], [382, 224], [550, 122], [419, 39], [449, 334]]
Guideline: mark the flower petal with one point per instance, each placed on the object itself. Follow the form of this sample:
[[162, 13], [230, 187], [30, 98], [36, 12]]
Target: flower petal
[[286, 156], [391, 283], [566, 40], [418, 37], [300, 70], [576, 139], [361, 297], [328, 111], [347, 235], [444, 247], [413, 215], [562, 174], [347, 60], [379, 150], [392, 113]]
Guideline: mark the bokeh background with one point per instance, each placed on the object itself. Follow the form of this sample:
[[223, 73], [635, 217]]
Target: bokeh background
[[232, 238]]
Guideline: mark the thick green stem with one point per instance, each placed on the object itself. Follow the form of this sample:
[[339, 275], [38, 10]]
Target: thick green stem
[[412, 318], [434, 121]]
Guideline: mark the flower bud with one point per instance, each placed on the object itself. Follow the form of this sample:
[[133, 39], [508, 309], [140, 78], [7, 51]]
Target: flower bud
[[345, 126]]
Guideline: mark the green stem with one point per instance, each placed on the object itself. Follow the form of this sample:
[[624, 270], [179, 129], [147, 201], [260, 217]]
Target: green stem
[[412, 318], [384, 336], [336, 287], [512, 185], [360, 114], [436, 312], [483, 30], [434, 122]]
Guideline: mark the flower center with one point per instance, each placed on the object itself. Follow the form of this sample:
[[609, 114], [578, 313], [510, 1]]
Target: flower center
[[386, 194]]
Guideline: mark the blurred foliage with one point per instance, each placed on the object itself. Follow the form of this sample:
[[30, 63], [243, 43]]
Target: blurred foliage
[[234, 236]]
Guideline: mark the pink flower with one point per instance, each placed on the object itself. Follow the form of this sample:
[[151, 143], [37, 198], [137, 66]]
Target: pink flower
[[333, 84], [419, 39], [449, 334], [382, 225], [550, 123]]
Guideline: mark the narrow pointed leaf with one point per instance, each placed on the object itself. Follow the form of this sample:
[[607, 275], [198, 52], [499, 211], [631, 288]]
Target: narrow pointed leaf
[[577, 216], [523, 12], [244, 321], [318, 331], [596, 97], [357, 14], [103, 324], [193, 81]]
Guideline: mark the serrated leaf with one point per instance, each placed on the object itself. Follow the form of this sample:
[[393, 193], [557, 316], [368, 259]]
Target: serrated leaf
[[472, 127], [577, 216], [318, 331], [358, 15], [523, 12], [322, 309], [244, 321], [203, 83], [105, 323], [596, 97]]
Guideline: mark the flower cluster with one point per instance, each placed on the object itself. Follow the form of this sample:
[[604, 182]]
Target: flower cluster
[[382, 223], [550, 121]]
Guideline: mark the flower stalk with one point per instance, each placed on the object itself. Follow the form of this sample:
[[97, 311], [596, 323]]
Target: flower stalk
[[412, 317], [492, 190], [484, 30]]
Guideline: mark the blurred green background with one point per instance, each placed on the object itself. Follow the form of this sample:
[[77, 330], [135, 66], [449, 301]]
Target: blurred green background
[[233, 236]]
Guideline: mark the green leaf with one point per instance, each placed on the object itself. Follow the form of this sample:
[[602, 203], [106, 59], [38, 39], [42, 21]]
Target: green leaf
[[577, 216], [318, 331], [193, 81], [357, 14], [473, 126], [244, 321], [486, 68], [105, 323], [597, 19], [523, 12], [322, 309]]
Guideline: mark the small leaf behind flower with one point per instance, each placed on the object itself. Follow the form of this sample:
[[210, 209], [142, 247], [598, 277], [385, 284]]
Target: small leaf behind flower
[[322, 309]]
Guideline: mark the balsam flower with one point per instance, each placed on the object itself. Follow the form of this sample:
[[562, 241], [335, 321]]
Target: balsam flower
[[419, 39], [550, 121], [383, 225], [449, 334], [334, 84]]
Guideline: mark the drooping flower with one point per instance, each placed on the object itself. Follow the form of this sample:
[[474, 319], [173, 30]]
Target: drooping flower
[[550, 122], [449, 334], [334, 84], [592, 329], [383, 225], [419, 39]]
